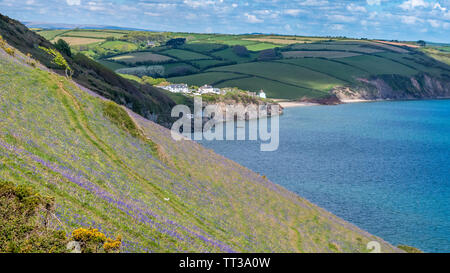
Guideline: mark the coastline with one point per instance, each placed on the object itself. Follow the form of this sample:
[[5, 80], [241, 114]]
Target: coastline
[[290, 104]]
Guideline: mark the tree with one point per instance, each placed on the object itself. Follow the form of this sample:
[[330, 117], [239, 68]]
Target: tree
[[176, 42], [268, 54], [421, 43], [63, 47], [241, 51]]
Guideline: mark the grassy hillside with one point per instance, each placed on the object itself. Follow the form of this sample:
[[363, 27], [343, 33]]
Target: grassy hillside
[[111, 169]]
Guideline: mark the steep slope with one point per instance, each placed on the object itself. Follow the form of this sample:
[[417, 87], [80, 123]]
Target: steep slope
[[143, 99], [112, 169]]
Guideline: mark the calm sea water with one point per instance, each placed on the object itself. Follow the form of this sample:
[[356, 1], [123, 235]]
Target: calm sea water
[[383, 166]]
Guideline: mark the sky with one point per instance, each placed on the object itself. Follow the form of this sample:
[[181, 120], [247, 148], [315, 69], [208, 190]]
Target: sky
[[410, 20]]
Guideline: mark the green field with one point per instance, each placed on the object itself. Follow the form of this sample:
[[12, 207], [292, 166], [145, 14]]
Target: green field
[[204, 64], [140, 57], [335, 69], [229, 55], [119, 45], [185, 55], [112, 65], [378, 66], [92, 34], [318, 54], [273, 89], [202, 47], [303, 65], [284, 73], [205, 78]]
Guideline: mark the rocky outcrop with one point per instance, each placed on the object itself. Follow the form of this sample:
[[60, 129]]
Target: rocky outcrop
[[395, 87]]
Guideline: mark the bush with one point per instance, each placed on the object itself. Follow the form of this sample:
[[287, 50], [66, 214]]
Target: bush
[[26, 222], [268, 55], [93, 241], [140, 71], [63, 47], [241, 51]]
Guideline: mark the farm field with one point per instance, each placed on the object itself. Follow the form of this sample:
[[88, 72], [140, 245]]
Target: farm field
[[185, 55], [318, 54], [333, 68], [284, 73], [273, 89], [376, 65], [119, 45], [303, 66], [140, 57], [92, 34], [76, 41], [212, 78]]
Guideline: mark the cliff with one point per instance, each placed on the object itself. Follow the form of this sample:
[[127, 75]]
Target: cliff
[[395, 87]]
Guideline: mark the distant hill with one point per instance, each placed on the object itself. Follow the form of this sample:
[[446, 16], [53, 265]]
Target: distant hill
[[44, 25], [113, 170], [143, 99]]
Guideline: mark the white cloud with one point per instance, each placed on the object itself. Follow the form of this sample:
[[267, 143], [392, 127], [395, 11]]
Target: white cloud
[[313, 3], [355, 8], [438, 6], [412, 4], [373, 2], [341, 18], [293, 12], [200, 3], [73, 2], [434, 23], [410, 20], [337, 27], [252, 18]]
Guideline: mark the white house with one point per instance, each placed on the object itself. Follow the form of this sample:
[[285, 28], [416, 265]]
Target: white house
[[207, 89], [177, 88], [262, 95]]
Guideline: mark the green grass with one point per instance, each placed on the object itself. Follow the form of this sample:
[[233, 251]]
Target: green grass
[[92, 34], [204, 64], [204, 78], [185, 55], [119, 45], [202, 47], [273, 89], [52, 34], [318, 54], [337, 46], [141, 57], [261, 46], [378, 66], [112, 65], [334, 69], [71, 145], [229, 55], [284, 73]]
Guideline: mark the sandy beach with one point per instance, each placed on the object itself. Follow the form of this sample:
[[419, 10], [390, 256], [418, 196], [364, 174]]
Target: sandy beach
[[290, 104]]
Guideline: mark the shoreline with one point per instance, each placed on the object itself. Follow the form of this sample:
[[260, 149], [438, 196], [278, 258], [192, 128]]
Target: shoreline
[[292, 104]]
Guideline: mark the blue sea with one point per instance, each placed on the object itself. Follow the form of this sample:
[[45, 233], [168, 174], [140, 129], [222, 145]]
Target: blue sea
[[382, 166]]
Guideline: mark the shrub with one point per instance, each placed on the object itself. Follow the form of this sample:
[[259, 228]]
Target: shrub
[[93, 241], [140, 71], [409, 249], [241, 51], [10, 51], [26, 222], [59, 60], [63, 47]]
